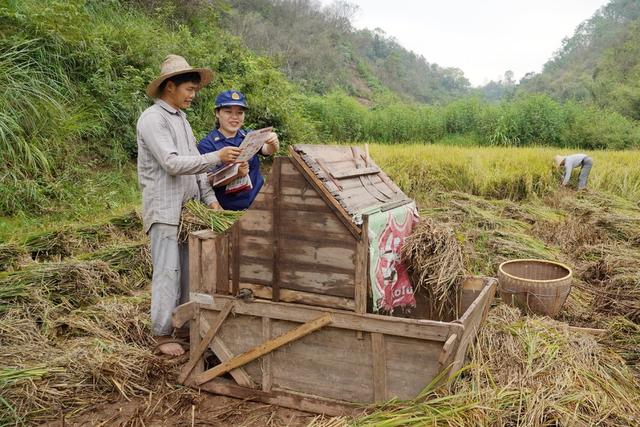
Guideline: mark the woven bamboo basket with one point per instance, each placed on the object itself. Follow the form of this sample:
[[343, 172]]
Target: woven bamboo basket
[[536, 286]]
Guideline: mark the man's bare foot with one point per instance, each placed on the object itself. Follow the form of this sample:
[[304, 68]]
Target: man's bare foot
[[167, 345]]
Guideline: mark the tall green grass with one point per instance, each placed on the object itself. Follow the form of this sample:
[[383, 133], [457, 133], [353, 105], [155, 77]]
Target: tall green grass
[[529, 120]]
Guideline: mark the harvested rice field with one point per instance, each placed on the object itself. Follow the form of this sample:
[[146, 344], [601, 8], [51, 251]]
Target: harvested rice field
[[74, 312]]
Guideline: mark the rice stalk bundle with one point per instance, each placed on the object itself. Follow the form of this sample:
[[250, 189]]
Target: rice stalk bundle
[[434, 259], [129, 223], [69, 284], [506, 245], [624, 337], [68, 240], [612, 274], [118, 318], [196, 216], [11, 256], [621, 227], [131, 260]]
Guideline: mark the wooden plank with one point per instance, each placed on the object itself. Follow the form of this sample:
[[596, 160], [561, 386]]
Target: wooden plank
[[209, 266], [197, 352], [255, 247], [447, 350], [414, 328], [275, 228], [195, 262], [235, 259], [350, 173], [286, 399], [341, 213], [319, 254], [318, 224], [362, 270], [379, 367], [183, 313], [330, 363], [298, 277], [194, 341], [321, 282], [267, 379], [264, 348], [222, 352], [287, 295], [411, 365], [471, 320], [222, 265], [255, 220]]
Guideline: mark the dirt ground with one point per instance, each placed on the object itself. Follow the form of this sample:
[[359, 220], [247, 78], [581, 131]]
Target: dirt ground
[[208, 410]]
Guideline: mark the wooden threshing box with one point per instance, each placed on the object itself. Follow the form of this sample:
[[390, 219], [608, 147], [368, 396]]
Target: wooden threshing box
[[301, 337]]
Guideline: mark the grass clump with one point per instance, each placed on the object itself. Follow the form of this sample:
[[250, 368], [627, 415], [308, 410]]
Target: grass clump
[[66, 284]]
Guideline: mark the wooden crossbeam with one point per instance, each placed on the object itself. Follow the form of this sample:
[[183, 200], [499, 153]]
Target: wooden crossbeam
[[264, 348], [204, 343]]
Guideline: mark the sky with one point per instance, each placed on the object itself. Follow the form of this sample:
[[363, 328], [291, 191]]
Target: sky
[[484, 38]]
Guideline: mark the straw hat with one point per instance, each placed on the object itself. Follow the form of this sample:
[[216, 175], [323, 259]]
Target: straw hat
[[174, 65], [557, 160]]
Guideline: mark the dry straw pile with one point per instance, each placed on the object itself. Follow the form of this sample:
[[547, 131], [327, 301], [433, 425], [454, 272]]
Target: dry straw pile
[[75, 332], [434, 259]]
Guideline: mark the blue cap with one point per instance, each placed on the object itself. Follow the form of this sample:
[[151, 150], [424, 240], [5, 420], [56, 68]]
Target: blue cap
[[231, 97]]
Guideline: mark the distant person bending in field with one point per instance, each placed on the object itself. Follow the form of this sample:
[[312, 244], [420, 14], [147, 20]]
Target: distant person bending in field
[[230, 111], [571, 162], [170, 173]]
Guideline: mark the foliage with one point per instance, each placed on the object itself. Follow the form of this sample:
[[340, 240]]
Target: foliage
[[599, 63], [527, 120], [362, 62], [72, 79]]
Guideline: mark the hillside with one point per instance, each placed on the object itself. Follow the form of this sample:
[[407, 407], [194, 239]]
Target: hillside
[[319, 49], [599, 63]]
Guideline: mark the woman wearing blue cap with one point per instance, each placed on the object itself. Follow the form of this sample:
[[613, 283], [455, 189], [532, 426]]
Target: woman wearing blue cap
[[230, 110]]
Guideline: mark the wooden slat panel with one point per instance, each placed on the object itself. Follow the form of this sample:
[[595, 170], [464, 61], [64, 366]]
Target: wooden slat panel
[[288, 337], [325, 283], [255, 220], [298, 277], [422, 329], [379, 355], [242, 333], [276, 214], [411, 365], [222, 265], [267, 370], [256, 272], [330, 363], [195, 262], [361, 276], [299, 251], [278, 397], [341, 213], [209, 267], [288, 295], [255, 246], [318, 224]]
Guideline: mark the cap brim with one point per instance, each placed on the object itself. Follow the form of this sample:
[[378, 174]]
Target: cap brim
[[231, 104], [205, 78]]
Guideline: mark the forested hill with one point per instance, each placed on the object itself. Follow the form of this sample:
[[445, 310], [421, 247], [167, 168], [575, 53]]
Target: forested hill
[[318, 48], [600, 63]]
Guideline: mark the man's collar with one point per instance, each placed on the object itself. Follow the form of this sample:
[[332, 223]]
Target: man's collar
[[167, 106]]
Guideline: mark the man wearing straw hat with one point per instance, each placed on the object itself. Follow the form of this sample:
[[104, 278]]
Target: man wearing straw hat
[[571, 162], [171, 172]]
